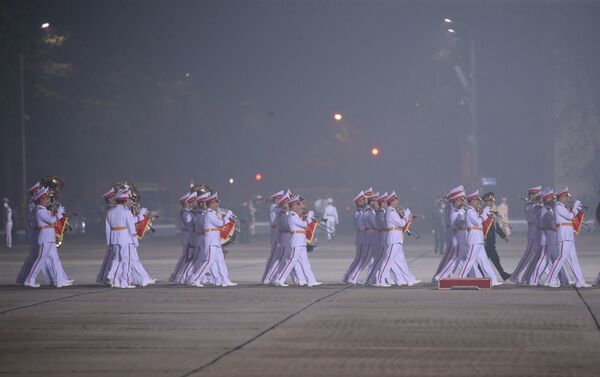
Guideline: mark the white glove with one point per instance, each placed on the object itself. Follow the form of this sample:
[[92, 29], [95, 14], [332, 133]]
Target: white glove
[[407, 213], [143, 211], [136, 243], [310, 216], [577, 205], [60, 211]]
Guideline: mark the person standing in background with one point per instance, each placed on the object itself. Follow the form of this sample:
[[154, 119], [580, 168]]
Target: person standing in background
[[331, 215], [8, 222], [503, 213]]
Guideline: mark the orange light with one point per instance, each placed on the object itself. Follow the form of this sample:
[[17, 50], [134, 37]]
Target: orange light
[[337, 116], [375, 152], [258, 176]]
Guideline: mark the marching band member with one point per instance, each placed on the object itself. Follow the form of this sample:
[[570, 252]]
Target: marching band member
[[273, 212], [360, 241], [396, 220], [539, 260], [476, 253], [109, 203], [123, 236], [29, 225], [186, 226], [457, 234], [139, 275], [451, 252], [47, 258], [548, 240], [213, 253], [532, 234], [283, 239], [373, 236], [296, 257], [192, 268], [563, 218], [372, 278]]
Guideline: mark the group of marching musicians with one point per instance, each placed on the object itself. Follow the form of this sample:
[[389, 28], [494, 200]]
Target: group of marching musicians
[[553, 220], [381, 224]]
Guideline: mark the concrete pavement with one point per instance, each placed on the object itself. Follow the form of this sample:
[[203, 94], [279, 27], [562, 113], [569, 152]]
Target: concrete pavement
[[330, 330]]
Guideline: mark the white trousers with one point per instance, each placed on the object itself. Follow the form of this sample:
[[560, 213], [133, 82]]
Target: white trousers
[[400, 266], [296, 259], [9, 226], [566, 254], [187, 256], [525, 260], [448, 263], [47, 260], [102, 276], [211, 259], [331, 225], [477, 256], [272, 263], [362, 259]]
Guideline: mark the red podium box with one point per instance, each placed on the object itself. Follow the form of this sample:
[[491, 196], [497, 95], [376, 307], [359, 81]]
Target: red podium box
[[464, 283]]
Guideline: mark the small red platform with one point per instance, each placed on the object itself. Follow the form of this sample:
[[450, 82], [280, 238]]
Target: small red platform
[[464, 283]]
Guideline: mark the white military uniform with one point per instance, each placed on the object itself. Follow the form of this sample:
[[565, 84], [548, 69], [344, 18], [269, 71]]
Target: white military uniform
[[331, 217], [186, 226], [275, 255], [33, 249], [192, 271], [549, 245], [362, 246], [566, 239], [213, 254], [395, 258], [47, 258], [476, 253], [538, 258], [296, 256], [102, 277], [374, 242], [9, 225], [532, 240], [123, 238], [457, 244]]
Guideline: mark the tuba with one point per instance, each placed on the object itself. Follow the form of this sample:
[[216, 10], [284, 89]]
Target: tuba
[[55, 184]]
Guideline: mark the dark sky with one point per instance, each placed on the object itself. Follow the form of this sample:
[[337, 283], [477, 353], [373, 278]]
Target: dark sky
[[265, 78]]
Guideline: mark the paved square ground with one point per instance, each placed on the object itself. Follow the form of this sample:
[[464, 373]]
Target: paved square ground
[[330, 330]]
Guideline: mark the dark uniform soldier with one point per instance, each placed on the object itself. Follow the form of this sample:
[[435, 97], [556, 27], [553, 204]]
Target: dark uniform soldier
[[490, 238]]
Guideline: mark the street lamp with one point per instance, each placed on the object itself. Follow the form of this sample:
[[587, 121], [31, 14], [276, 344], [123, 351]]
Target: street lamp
[[337, 116], [44, 26], [473, 108]]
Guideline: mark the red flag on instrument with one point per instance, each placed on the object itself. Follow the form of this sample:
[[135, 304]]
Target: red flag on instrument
[[487, 225], [577, 221], [227, 231], [142, 226], [59, 228], [311, 231]]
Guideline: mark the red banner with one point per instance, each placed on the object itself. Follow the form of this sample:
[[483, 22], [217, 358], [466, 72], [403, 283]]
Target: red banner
[[577, 221], [226, 231], [311, 231], [487, 225], [59, 228], [142, 226]]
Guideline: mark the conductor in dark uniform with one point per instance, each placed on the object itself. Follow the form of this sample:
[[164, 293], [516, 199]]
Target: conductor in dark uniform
[[490, 238]]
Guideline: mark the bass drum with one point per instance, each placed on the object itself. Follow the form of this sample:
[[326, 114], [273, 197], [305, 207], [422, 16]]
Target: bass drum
[[229, 231]]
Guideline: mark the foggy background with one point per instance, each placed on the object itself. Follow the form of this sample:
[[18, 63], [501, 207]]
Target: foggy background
[[169, 92]]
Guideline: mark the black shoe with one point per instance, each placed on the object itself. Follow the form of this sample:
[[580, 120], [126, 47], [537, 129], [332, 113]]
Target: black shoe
[[505, 276]]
